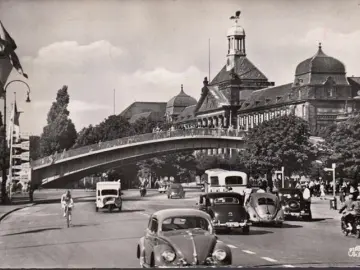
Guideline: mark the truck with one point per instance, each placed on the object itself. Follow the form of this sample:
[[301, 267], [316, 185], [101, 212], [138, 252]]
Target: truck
[[108, 195]]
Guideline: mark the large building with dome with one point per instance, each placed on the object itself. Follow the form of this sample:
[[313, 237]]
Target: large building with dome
[[240, 95]]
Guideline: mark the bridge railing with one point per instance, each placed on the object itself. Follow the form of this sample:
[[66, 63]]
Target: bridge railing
[[136, 139]]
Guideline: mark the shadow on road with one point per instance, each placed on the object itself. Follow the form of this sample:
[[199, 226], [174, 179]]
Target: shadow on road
[[312, 220], [239, 232], [83, 225], [105, 211], [284, 225], [33, 231]]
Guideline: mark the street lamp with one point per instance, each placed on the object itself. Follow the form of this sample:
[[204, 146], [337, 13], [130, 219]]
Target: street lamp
[[332, 169], [4, 176]]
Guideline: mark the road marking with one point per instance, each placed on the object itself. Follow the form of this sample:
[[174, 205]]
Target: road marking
[[231, 246], [269, 259], [249, 252], [289, 266]]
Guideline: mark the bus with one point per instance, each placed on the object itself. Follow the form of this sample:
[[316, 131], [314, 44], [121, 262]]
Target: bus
[[210, 176], [221, 180]]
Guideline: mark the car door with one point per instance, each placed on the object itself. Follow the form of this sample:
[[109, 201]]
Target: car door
[[151, 238]]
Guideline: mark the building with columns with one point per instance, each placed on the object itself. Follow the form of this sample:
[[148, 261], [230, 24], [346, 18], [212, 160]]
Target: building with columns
[[320, 93], [240, 94]]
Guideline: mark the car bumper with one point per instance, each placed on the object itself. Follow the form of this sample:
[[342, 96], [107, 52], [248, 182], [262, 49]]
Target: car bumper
[[296, 214], [231, 225]]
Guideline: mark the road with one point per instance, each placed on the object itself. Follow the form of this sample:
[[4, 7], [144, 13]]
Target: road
[[36, 237]]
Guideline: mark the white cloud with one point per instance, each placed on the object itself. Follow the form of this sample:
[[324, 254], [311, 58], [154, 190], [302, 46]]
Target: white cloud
[[91, 72]]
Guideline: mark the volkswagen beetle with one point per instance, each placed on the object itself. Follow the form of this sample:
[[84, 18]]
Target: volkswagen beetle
[[176, 191], [181, 238], [265, 208], [227, 211]]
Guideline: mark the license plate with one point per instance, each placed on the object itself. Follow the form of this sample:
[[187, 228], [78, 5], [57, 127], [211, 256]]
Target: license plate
[[232, 224], [294, 214]]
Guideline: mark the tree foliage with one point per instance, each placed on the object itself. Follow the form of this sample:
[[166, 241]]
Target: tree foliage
[[60, 132], [34, 147], [282, 141], [344, 141]]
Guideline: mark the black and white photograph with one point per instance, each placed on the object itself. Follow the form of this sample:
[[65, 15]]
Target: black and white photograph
[[179, 134]]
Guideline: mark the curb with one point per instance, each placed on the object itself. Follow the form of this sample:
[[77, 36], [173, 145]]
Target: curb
[[14, 210]]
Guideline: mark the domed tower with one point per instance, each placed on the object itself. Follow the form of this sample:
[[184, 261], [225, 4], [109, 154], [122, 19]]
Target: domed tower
[[236, 42], [177, 104], [320, 69], [322, 83]]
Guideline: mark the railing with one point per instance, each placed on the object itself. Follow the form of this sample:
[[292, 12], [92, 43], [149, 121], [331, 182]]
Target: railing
[[136, 139]]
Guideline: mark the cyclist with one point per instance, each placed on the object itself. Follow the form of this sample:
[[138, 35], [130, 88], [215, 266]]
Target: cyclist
[[67, 202]]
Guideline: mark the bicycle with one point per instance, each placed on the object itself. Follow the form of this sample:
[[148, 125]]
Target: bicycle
[[68, 209]]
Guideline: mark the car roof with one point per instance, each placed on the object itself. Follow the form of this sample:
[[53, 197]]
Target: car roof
[[175, 212], [221, 194]]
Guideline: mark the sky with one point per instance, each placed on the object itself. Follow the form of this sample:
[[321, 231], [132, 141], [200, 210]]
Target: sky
[[145, 50]]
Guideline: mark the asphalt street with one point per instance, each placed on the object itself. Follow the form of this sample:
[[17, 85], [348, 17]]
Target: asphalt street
[[36, 237]]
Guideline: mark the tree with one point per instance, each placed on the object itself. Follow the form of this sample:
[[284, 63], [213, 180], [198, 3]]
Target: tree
[[143, 126], [59, 134], [87, 136], [344, 141], [282, 141], [34, 147]]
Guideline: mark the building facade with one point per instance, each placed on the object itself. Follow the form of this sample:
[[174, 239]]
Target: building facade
[[241, 96]]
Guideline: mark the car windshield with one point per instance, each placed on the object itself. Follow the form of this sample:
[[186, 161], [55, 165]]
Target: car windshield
[[184, 223], [105, 192], [226, 200], [266, 201]]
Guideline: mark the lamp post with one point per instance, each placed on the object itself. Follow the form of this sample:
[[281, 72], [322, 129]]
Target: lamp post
[[4, 176]]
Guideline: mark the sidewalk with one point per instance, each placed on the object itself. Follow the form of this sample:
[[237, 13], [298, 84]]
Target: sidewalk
[[321, 208], [6, 210]]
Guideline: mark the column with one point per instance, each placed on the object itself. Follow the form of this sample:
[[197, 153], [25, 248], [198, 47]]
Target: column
[[216, 121], [204, 122], [210, 121]]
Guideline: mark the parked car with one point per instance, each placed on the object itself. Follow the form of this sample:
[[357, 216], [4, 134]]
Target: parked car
[[181, 238], [226, 210], [265, 208], [176, 191], [294, 204]]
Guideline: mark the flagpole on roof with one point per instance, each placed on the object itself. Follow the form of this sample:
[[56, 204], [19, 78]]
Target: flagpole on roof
[[209, 60]]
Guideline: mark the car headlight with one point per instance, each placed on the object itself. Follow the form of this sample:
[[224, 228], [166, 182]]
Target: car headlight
[[219, 254], [168, 255]]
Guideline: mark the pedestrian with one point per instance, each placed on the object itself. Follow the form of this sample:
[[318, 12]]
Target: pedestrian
[[322, 191]]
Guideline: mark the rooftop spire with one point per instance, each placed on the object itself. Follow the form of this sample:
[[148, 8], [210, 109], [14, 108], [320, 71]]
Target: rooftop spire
[[182, 89], [320, 46]]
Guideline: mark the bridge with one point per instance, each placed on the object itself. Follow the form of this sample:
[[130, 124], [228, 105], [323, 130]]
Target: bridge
[[72, 165]]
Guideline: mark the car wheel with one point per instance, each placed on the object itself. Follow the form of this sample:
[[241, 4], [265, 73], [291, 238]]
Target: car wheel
[[120, 207], [246, 230], [279, 225], [96, 209]]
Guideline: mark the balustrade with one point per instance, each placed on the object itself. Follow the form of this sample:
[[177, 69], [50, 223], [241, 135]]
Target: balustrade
[[136, 139]]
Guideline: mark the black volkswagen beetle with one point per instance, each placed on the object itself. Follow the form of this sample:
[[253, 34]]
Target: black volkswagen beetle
[[294, 204], [226, 210]]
